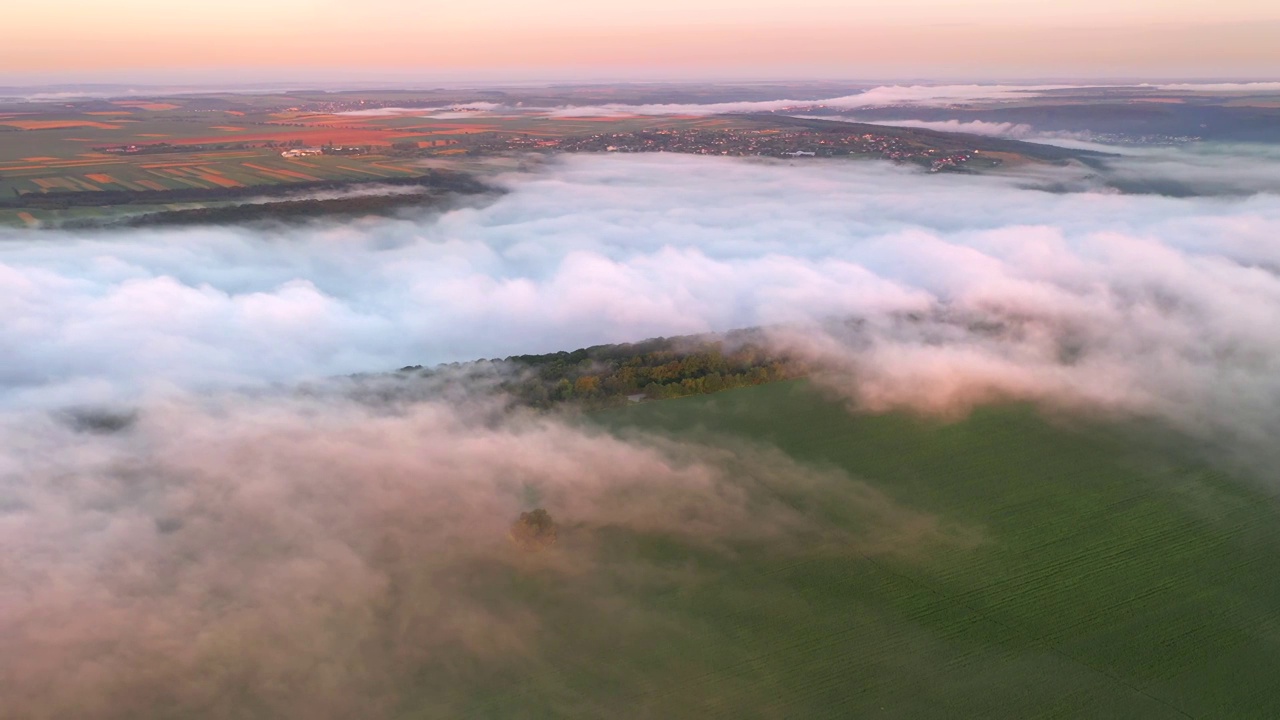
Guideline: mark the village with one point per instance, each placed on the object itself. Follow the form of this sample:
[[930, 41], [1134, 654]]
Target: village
[[785, 143]]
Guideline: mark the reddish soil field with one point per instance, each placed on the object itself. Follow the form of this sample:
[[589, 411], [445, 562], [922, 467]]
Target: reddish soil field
[[332, 120], [468, 127], [430, 130], [312, 136]]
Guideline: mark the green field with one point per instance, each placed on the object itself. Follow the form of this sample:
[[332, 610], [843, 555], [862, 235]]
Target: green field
[[1056, 572]]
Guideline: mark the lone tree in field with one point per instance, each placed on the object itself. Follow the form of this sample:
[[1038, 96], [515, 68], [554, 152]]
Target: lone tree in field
[[534, 530]]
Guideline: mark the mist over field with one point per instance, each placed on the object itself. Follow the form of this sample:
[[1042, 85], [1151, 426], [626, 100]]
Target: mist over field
[[310, 557], [237, 508], [902, 97], [1138, 301]]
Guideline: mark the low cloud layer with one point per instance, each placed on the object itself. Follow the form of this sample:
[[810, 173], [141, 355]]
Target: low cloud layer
[[1166, 298], [196, 516], [1231, 88], [876, 96], [291, 557], [973, 127], [887, 95], [881, 96], [906, 96]]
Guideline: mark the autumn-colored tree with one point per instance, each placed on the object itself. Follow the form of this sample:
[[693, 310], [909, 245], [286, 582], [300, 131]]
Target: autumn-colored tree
[[587, 386], [534, 530]]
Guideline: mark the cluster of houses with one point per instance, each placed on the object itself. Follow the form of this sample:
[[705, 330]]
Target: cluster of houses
[[326, 150]]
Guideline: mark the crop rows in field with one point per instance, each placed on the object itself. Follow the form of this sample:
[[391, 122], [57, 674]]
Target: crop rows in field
[[1112, 575], [205, 171]]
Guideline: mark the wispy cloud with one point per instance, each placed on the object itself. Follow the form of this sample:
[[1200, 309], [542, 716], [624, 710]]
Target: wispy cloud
[[1233, 87], [905, 97], [885, 95]]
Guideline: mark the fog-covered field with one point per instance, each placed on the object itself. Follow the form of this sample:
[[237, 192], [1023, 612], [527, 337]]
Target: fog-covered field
[[200, 518]]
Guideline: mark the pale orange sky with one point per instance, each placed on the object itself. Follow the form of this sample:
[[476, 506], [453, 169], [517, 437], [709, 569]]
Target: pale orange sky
[[662, 38]]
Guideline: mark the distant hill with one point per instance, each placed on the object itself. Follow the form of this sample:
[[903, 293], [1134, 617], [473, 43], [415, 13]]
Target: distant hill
[[1202, 119], [949, 141]]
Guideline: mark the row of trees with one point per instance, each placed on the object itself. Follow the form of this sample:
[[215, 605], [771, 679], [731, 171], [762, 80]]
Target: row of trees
[[654, 369], [440, 180]]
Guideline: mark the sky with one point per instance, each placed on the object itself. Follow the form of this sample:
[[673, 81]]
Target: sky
[[493, 40]]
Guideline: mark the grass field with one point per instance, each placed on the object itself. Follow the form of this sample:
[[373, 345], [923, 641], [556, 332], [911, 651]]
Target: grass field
[[1091, 575]]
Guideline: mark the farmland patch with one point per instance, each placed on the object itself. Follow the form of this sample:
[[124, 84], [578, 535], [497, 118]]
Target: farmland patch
[[58, 124]]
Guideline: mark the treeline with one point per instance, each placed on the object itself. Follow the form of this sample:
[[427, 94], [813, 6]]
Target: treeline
[[943, 140], [169, 149], [443, 180], [285, 211], [655, 369]]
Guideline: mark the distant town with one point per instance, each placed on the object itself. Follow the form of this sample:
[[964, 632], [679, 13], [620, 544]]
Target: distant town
[[776, 143], [784, 143]]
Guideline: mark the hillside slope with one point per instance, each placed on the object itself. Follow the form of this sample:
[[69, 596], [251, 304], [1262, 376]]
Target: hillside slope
[[1064, 572]]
